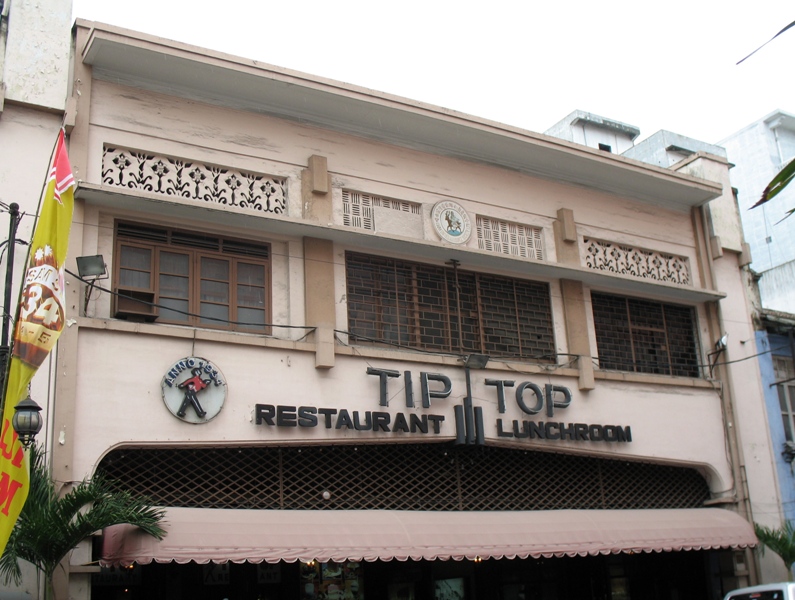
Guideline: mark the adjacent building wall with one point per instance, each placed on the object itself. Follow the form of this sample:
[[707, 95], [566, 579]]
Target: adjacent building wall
[[759, 151], [35, 57], [35, 45]]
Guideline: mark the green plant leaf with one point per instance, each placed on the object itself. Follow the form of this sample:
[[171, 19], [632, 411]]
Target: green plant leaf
[[777, 184], [780, 540], [49, 526]]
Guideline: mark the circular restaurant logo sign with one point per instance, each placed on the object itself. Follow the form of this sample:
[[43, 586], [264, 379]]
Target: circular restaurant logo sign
[[451, 222], [194, 389]]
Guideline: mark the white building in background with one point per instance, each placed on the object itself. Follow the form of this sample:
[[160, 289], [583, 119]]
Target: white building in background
[[758, 152], [594, 131]]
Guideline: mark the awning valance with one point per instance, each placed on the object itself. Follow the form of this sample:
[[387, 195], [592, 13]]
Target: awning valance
[[205, 535]]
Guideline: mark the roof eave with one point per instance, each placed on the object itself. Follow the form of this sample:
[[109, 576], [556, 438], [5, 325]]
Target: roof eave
[[178, 69]]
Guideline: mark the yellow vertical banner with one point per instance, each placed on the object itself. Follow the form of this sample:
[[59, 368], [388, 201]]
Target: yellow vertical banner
[[39, 322]]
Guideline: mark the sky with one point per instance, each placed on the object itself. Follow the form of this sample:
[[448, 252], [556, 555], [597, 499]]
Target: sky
[[663, 65]]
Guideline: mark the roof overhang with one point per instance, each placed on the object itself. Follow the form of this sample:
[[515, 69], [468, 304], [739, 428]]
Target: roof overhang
[[205, 535], [178, 69], [137, 203]]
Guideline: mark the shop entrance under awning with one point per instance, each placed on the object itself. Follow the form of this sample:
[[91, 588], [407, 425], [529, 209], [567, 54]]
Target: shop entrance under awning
[[205, 535]]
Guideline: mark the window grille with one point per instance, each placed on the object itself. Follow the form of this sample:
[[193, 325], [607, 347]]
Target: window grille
[[445, 309], [645, 336], [438, 477], [503, 237], [357, 208]]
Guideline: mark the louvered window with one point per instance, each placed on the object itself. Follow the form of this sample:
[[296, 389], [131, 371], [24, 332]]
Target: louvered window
[[191, 279], [358, 208], [447, 309]]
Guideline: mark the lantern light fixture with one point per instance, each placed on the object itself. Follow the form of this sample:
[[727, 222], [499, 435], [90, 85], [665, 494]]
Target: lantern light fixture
[[27, 420]]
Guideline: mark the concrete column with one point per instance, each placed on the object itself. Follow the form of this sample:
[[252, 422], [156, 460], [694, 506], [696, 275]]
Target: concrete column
[[320, 309], [315, 188], [566, 245], [576, 318]]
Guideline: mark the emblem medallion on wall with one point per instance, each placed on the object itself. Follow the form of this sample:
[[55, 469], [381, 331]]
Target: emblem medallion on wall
[[451, 222], [194, 389]]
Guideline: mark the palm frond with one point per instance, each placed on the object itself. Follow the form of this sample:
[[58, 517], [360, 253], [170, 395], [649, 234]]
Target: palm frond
[[777, 184], [49, 527], [780, 540]]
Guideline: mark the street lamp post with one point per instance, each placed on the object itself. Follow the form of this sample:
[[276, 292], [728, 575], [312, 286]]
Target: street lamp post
[[27, 419], [13, 213]]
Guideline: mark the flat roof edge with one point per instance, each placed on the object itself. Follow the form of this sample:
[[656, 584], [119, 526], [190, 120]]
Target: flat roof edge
[[544, 155]]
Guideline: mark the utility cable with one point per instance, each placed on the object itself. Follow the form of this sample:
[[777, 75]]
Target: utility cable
[[188, 313]]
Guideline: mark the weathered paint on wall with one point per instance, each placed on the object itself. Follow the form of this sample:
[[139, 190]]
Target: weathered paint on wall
[[37, 53]]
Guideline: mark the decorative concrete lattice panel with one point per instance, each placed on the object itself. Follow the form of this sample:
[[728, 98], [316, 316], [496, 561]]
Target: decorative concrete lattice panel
[[437, 477], [503, 237], [358, 208], [637, 262], [169, 176]]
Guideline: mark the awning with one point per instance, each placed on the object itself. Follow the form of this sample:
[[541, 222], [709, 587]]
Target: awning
[[205, 535]]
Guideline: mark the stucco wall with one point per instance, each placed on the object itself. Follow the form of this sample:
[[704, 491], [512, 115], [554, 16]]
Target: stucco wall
[[37, 53], [671, 422]]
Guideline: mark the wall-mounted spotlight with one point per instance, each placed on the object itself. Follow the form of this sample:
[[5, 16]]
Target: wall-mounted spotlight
[[721, 343], [91, 269], [720, 348], [476, 361]]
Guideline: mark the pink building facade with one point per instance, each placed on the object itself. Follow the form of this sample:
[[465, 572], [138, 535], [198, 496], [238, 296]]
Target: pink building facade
[[363, 347]]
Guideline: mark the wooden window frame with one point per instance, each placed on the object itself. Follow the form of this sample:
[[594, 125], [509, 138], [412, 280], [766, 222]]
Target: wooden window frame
[[137, 303]]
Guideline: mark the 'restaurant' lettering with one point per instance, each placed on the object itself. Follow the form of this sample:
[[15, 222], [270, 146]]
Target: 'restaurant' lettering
[[333, 418]]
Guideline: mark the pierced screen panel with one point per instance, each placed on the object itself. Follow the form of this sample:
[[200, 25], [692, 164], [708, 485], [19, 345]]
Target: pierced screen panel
[[437, 477], [504, 237]]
